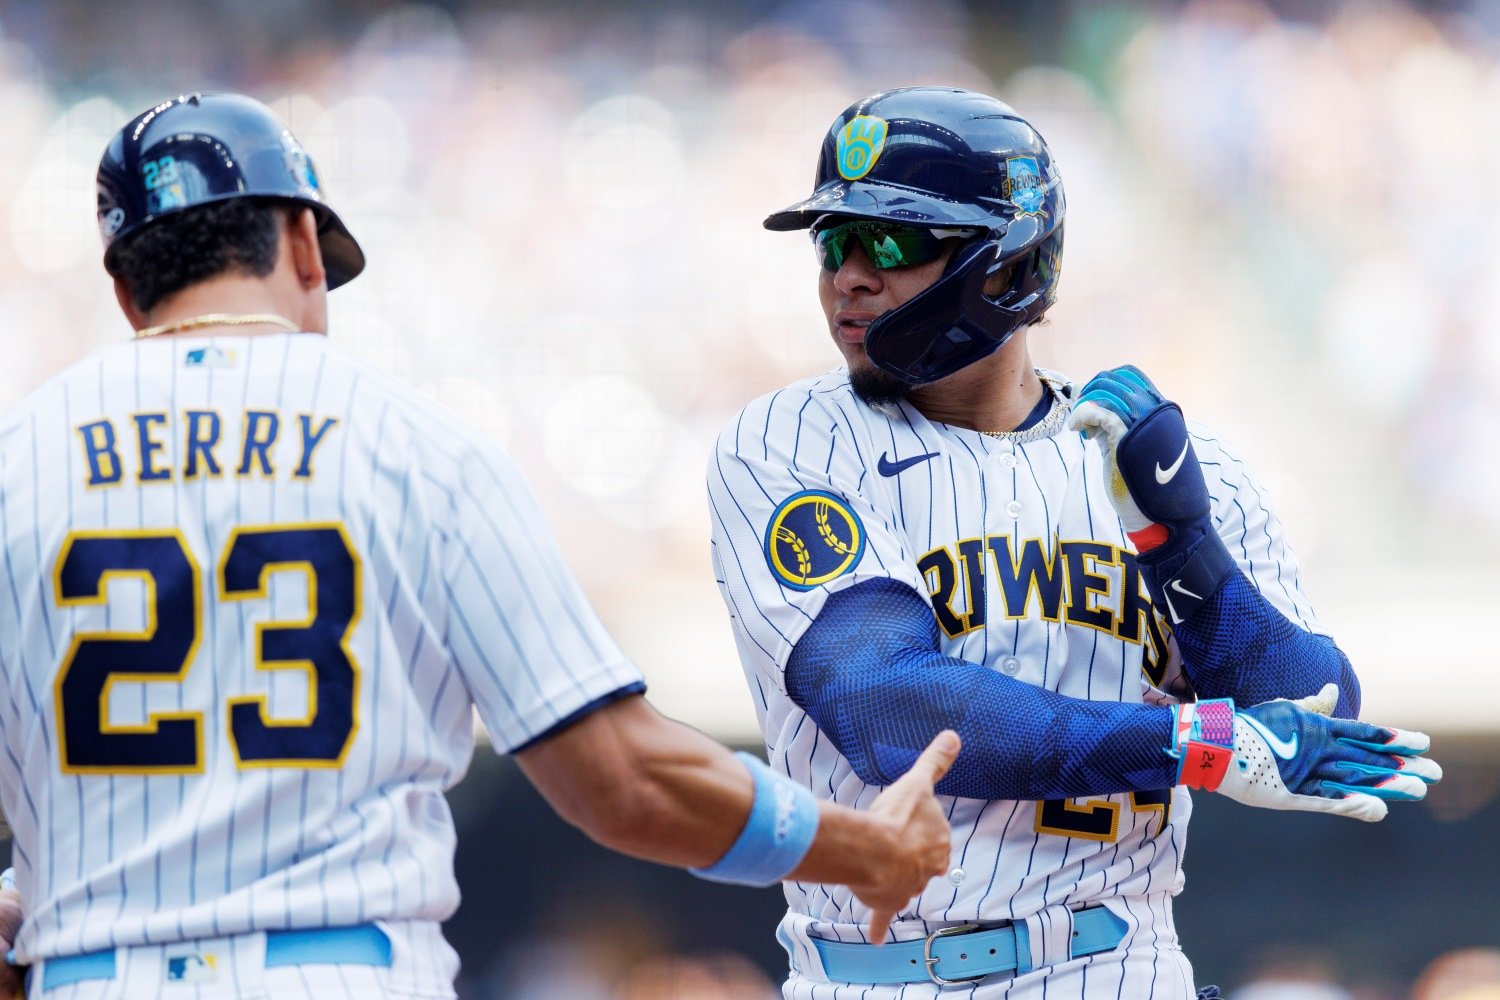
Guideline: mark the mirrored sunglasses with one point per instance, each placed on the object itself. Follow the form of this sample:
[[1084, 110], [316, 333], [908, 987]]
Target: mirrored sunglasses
[[886, 244]]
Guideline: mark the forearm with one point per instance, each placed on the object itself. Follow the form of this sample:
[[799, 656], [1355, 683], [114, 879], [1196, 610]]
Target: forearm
[[869, 675], [642, 784], [1236, 644]]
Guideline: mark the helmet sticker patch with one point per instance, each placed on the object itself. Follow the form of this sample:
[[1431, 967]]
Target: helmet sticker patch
[[163, 182], [111, 221], [859, 144], [300, 166], [814, 537], [1023, 184]]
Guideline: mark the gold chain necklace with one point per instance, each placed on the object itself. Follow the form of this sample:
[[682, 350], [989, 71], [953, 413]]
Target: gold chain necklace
[[1049, 425], [218, 319]]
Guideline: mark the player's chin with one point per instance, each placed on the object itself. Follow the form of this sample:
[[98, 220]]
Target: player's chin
[[872, 385]]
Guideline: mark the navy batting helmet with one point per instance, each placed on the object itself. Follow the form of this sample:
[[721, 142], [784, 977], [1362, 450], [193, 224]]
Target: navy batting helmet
[[942, 158], [203, 148]]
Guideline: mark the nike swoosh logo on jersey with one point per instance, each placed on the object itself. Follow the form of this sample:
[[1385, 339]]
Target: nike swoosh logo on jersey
[[1164, 476], [888, 468], [1285, 749]]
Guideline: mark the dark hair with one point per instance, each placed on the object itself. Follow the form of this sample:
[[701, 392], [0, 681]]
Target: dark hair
[[186, 247]]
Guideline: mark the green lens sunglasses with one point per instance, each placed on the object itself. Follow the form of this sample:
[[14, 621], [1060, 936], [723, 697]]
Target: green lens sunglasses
[[886, 244]]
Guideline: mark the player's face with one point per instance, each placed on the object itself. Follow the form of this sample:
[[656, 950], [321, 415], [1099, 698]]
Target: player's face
[[855, 294]]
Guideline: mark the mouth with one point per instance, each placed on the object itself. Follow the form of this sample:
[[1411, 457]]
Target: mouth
[[850, 325]]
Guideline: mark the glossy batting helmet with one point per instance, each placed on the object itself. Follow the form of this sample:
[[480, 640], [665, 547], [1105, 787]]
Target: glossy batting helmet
[[204, 148], [938, 157]]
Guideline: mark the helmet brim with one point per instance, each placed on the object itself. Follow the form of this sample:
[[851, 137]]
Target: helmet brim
[[878, 201], [342, 257]]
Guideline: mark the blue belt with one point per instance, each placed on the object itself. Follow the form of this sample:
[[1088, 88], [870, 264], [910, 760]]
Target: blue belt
[[963, 953], [365, 944]]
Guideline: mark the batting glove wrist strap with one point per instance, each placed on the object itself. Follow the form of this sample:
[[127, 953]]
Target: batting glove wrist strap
[[783, 822], [1182, 581], [1204, 742]]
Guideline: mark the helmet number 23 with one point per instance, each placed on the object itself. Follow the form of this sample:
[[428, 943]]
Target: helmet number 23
[[163, 650]]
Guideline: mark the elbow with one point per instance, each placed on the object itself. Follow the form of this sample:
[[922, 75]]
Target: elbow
[[880, 761]]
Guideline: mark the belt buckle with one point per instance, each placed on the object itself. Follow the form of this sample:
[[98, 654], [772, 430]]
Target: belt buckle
[[932, 960]]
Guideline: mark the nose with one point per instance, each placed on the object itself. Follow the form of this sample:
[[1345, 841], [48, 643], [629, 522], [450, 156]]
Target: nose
[[857, 274]]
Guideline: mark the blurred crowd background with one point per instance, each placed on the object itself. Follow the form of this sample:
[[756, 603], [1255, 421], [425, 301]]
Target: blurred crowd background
[[1285, 212]]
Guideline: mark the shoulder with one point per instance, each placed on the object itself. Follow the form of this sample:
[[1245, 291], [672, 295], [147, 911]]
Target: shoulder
[[806, 410], [52, 391], [429, 419]]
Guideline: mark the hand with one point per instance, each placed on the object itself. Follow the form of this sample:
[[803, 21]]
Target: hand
[[920, 832], [1292, 755], [1156, 486], [1155, 482]]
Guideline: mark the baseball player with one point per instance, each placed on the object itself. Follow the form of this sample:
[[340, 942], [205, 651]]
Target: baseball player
[[255, 590], [922, 539]]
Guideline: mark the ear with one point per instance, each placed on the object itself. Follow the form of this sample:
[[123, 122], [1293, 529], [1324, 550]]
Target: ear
[[306, 254], [127, 305]]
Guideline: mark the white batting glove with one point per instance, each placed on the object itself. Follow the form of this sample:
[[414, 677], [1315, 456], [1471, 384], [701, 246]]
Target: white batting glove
[[1291, 755], [1105, 427]]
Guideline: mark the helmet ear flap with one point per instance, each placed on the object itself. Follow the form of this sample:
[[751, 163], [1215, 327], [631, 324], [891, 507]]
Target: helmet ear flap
[[980, 301], [944, 327]]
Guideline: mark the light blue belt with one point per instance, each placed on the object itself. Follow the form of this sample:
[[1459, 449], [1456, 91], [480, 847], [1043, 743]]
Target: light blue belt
[[365, 944], [963, 953]]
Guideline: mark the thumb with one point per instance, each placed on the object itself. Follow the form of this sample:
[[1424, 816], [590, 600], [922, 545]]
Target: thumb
[[1094, 421], [939, 756], [1321, 703]]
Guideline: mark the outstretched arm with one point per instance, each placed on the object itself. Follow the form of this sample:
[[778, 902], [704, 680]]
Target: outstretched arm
[[869, 672], [645, 785], [1234, 643]]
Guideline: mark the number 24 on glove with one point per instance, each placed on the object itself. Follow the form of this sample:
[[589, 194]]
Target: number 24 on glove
[[1291, 755]]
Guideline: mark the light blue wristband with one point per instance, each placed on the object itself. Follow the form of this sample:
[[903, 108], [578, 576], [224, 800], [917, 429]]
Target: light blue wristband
[[8, 879], [783, 821]]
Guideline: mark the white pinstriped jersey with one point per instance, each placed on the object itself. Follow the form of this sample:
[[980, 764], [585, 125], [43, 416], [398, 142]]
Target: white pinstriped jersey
[[1028, 570], [253, 590]]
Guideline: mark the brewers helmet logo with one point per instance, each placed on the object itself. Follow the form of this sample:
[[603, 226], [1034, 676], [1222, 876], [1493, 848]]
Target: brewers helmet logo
[[1023, 181], [859, 146], [814, 537]]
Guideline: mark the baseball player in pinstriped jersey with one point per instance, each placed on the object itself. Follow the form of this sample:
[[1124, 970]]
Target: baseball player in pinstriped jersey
[[922, 539], [254, 591]]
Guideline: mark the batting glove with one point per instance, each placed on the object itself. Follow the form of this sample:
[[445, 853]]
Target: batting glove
[[1291, 755], [1155, 485]]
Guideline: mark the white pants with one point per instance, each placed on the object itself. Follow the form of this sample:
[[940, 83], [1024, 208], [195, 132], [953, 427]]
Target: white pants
[[423, 967]]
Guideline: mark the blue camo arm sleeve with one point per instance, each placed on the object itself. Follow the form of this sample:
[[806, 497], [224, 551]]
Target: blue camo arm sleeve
[[869, 672], [1237, 645]]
